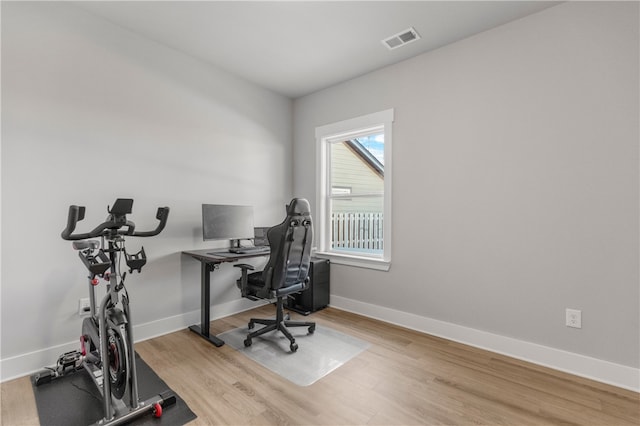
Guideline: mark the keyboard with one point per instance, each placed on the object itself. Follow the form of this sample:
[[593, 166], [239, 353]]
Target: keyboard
[[238, 252], [250, 250]]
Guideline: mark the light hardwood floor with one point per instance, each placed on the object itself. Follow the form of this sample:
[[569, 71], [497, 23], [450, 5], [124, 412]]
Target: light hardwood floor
[[404, 378]]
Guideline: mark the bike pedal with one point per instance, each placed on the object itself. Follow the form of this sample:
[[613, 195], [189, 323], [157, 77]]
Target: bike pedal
[[69, 361]]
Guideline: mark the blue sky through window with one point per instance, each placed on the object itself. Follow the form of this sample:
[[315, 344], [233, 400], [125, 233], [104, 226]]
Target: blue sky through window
[[375, 145]]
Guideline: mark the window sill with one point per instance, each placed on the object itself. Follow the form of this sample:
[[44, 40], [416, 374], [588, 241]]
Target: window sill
[[357, 261]]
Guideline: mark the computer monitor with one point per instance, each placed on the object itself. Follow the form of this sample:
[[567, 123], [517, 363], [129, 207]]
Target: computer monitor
[[227, 222]]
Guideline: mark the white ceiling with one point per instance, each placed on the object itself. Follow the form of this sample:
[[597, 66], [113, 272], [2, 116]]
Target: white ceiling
[[298, 47]]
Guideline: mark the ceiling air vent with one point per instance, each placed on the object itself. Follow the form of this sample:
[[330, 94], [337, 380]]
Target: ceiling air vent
[[400, 39]]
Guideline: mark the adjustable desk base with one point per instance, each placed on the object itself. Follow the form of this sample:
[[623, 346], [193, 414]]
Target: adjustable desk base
[[208, 262], [212, 339]]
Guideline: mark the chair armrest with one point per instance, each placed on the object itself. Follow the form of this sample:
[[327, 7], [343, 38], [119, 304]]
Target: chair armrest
[[244, 266], [243, 282]]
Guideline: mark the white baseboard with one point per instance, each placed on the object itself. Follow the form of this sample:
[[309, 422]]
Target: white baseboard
[[580, 365], [602, 371], [28, 363]]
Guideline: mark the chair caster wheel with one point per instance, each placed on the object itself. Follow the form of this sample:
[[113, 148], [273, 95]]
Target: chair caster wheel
[[293, 347], [251, 325], [312, 328], [247, 342]]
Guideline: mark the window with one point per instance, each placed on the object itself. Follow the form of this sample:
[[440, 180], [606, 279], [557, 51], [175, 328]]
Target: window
[[354, 191]]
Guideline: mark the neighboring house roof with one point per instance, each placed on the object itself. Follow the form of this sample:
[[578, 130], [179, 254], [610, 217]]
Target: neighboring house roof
[[366, 156]]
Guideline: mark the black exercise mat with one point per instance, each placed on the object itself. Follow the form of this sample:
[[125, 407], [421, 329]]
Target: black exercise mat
[[75, 400]]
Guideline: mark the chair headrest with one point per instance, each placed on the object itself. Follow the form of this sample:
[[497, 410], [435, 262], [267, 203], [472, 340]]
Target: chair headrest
[[298, 206]]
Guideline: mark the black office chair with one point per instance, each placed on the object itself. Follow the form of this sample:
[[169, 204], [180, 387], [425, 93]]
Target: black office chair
[[286, 272]]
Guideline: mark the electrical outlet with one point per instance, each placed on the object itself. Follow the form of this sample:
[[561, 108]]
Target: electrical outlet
[[84, 307], [573, 318]]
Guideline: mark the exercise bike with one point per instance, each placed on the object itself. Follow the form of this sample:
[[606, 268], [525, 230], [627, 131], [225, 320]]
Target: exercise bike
[[107, 352]]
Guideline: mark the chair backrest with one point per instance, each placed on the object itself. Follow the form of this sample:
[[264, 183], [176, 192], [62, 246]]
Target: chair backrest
[[290, 243]]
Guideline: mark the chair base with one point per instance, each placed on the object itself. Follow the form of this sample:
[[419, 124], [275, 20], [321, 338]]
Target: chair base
[[280, 323]]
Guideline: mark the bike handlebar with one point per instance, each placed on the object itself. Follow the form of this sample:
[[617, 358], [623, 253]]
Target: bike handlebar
[[112, 226]]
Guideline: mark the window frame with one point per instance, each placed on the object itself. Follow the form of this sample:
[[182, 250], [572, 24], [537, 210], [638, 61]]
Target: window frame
[[344, 130]]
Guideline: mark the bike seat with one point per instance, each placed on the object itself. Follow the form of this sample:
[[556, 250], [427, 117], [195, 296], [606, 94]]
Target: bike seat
[[82, 245]]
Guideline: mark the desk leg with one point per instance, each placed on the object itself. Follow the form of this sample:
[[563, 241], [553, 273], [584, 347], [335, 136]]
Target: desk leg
[[205, 305]]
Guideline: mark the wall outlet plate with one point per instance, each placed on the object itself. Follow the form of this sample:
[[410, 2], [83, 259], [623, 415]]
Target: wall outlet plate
[[573, 318], [84, 307]]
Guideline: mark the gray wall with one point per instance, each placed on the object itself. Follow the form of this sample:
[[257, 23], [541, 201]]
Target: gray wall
[[91, 112], [515, 179]]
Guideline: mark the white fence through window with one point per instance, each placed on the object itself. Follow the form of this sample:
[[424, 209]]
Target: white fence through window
[[362, 231]]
